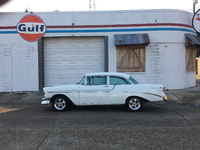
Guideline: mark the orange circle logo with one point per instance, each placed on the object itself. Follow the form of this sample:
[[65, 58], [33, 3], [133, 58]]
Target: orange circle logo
[[31, 28]]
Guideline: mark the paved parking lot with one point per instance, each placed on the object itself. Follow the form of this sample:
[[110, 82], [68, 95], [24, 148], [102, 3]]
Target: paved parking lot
[[100, 127], [175, 125]]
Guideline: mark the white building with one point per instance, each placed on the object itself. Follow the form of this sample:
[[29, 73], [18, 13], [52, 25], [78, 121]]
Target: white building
[[154, 46]]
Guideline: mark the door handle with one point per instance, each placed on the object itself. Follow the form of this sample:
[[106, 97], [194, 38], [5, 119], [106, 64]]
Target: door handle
[[105, 86]]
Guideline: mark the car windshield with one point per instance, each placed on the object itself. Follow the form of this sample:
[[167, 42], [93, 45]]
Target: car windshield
[[82, 81], [133, 80]]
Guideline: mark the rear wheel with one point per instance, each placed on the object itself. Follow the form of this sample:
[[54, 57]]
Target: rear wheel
[[60, 103], [134, 104]]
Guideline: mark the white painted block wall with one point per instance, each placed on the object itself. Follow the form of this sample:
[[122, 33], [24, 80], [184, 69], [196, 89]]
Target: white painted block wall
[[165, 55], [19, 64]]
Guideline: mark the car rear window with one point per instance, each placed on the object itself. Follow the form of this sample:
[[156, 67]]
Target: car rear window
[[118, 81], [133, 80]]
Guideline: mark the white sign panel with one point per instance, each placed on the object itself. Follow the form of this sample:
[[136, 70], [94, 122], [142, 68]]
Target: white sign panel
[[196, 21]]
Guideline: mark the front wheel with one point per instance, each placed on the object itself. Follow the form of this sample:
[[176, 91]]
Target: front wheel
[[60, 103], [134, 104]]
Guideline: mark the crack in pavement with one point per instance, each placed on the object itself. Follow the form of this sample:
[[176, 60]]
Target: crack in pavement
[[184, 117], [51, 129]]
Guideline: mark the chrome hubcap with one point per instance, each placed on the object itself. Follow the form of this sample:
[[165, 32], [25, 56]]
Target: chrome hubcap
[[134, 104], [59, 104]]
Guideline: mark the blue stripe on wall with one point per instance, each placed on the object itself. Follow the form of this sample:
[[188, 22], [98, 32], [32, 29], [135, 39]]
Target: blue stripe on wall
[[120, 30], [8, 32]]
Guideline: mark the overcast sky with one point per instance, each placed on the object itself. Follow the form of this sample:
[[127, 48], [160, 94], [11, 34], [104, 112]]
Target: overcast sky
[[83, 5]]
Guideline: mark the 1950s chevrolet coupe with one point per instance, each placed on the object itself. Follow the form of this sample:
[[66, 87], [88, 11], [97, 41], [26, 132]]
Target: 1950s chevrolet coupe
[[104, 89]]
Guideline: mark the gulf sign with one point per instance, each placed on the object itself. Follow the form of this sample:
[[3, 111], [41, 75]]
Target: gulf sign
[[196, 21], [31, 28]]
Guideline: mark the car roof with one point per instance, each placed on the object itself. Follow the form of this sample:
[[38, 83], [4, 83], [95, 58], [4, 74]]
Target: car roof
[[108, 74]]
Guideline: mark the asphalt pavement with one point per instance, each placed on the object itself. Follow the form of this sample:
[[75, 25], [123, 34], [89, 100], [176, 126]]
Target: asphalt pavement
[[189, 96], [26, 124]]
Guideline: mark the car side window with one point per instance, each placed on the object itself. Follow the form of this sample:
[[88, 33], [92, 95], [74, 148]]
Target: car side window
[[118, 80], [97, 80]]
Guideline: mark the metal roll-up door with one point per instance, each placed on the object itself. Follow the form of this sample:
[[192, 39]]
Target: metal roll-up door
[[66, 60]]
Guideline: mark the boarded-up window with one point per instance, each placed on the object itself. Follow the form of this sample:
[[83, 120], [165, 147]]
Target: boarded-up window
[[191, 59], [130, 58]]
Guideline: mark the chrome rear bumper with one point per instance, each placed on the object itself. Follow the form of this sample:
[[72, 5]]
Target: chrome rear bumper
[[165, 98]]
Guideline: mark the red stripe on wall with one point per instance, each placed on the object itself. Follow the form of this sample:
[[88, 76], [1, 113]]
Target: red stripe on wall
[[121, 25], [8, 27], [109, 26]]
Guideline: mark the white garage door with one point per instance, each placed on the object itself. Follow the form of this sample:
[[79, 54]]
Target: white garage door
[[66, 60]]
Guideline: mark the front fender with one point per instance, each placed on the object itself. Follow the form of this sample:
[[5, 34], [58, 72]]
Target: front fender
[[73, 97]]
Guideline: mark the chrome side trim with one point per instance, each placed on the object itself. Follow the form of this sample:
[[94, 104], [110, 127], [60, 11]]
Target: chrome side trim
[[64, 91], [93, 91], [152, 94]]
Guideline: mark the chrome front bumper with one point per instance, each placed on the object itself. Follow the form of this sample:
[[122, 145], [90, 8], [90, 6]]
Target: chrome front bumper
[[45, 101]]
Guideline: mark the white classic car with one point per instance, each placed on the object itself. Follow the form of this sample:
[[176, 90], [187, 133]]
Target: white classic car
[[104, 89]]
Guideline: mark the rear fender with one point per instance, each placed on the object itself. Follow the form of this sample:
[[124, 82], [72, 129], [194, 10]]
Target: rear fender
[[139, 97]]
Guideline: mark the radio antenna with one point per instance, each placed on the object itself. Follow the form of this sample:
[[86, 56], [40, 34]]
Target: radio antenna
[[27, 8], [92, 2]]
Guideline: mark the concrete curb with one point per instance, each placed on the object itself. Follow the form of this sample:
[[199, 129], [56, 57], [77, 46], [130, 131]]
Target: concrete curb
[[189, 96]]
